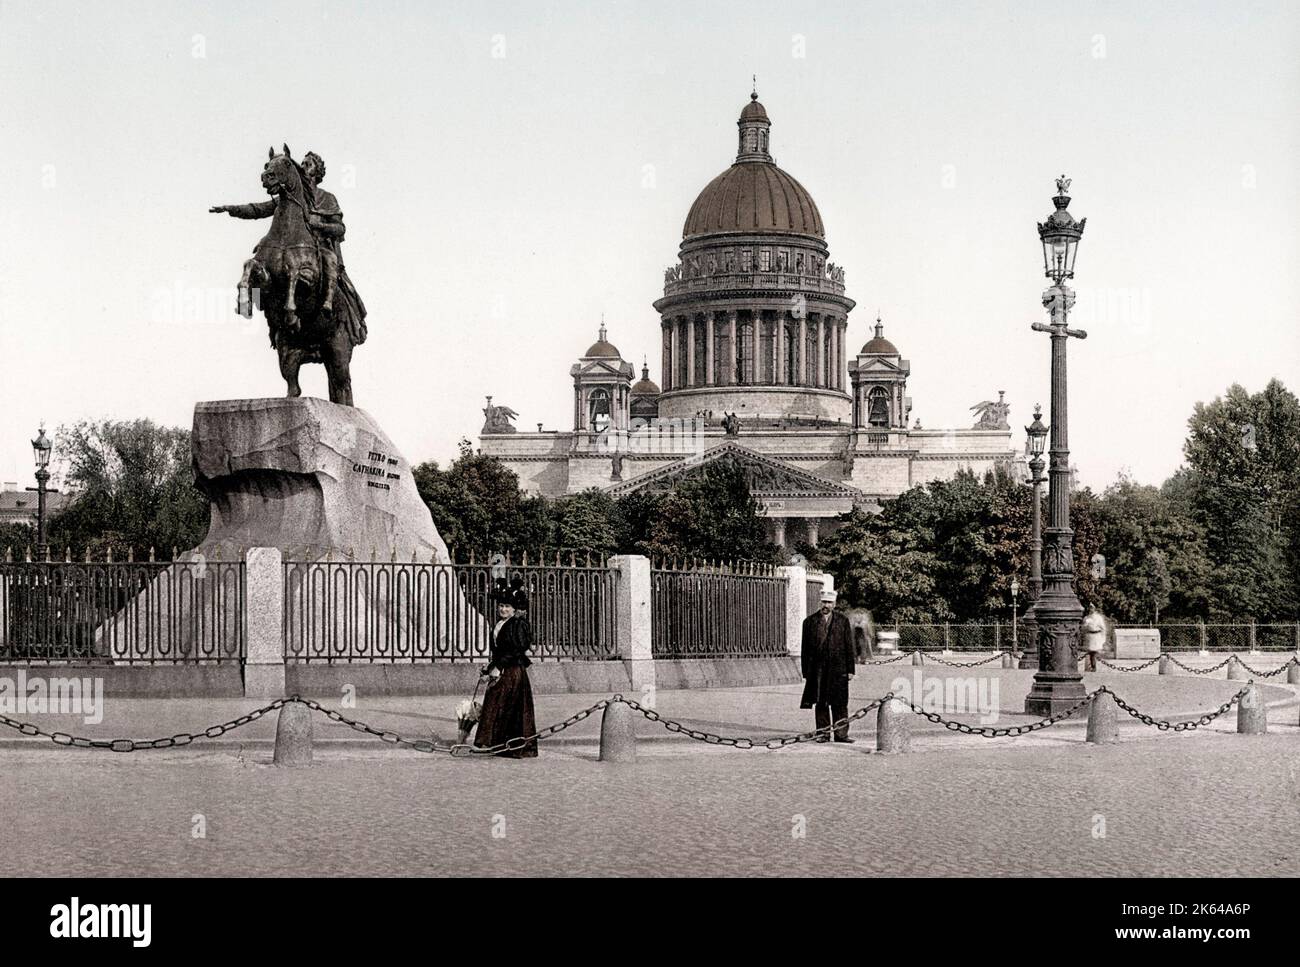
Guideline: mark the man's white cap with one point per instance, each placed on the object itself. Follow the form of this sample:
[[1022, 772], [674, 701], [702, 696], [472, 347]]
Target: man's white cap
[[828, 596]]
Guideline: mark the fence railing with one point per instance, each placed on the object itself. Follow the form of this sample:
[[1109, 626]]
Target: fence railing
[[128, 612], [1225, 636], [387, 612], [965, 636], [719, 612]]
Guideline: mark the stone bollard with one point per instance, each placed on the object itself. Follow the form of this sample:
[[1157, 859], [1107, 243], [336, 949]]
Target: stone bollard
[[916, 658], [1235, 672], [1252, 716], [1103, 719], [293, 736], [893, 727], [1293, 673], [1165, 667], [1008, 660], [617, 737]]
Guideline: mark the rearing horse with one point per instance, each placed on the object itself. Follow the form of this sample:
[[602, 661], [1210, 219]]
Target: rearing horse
[[286, 268]]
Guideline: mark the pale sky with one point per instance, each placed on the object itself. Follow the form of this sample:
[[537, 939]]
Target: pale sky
[[511, 171]]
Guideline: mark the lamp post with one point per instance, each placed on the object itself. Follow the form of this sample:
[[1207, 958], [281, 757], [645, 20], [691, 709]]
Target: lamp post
[[1037, 434], [1015, 589], [1057, 612], [41, 448]]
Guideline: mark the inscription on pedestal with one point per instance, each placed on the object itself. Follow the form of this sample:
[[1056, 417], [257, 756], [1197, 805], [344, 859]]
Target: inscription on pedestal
[[376, 466]]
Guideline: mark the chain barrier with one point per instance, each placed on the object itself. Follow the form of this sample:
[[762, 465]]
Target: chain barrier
[[1276, 671], [462, 749], [957, 664], [1199, 671], [884, 661], [134, 745], [1166, 726], [1134, 668]]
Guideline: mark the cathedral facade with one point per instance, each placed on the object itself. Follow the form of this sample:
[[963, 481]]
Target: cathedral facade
[[756, 370]]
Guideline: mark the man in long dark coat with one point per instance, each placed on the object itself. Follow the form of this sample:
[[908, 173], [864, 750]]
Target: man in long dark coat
[[828, 664]]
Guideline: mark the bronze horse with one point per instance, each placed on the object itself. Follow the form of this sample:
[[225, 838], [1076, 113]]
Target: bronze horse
[[286, 271]]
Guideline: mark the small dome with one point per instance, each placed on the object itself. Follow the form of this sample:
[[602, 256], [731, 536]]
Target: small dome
[[753, 111], [603, 347], [878, 344], [645, 386]]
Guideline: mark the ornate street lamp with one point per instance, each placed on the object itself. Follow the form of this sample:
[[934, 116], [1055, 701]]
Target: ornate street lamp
[[1037, 438], [41, 448], [1057, 612]]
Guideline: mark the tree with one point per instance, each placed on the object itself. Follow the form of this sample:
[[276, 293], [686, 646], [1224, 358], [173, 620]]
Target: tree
[[476, 504], [585, 520], [134, 489], [881, 566], [1243, 457], [711, 516]]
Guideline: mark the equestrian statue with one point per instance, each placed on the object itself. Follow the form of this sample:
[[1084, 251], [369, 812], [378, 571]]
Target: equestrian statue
[[297, 277]]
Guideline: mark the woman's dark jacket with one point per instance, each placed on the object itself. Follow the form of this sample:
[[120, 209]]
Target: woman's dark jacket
[[508, 648]]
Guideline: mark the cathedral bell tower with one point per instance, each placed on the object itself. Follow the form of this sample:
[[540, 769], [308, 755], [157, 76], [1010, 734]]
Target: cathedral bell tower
[[879, 377], [602, 390]]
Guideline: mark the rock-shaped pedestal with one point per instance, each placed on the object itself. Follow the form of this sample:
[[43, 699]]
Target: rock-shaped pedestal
[[311, 478]]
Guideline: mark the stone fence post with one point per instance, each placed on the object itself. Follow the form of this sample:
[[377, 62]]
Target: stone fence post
[[264, 607], [632, 618], [796, 603]]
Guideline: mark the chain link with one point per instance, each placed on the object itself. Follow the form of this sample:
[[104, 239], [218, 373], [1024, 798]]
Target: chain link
[[1199, 671], [1276, 671], [956, 664], [135, 745], [1166, 726], [463, 749], [884, 661], [1134, 668]]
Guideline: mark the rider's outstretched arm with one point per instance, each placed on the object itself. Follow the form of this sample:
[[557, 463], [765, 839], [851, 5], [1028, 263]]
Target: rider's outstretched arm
[[258, 209]]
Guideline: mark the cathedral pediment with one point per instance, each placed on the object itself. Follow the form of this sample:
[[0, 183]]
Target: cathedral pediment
[[765, 477]]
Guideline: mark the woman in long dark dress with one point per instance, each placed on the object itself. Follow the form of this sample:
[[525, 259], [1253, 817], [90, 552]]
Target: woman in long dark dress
[[508, 704]]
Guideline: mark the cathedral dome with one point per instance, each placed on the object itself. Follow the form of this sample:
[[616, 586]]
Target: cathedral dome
[[754, 195]]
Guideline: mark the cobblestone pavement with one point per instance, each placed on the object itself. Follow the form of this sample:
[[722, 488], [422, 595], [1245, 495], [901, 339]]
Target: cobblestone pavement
[[1205, 804]]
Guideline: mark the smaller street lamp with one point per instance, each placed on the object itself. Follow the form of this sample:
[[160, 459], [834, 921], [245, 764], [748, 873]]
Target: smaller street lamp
[[41, 448], [1015, 638], [1036, 438]]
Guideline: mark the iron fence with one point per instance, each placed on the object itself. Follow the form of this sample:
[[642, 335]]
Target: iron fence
[[718, 612], [1225, 636], [342, 611], [128, 612], [964, 636]]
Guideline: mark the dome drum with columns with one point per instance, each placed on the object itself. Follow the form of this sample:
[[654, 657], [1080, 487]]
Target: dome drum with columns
[[753, 324], [753, 315]]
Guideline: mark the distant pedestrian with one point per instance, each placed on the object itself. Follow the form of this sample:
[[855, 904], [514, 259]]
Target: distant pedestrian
[[1093, 633], [508, 704], [827, 661]]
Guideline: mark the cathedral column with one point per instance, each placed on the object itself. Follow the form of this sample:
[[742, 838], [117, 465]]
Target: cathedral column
[[810, 531], [708, 348], [674, 353], [778, 531], [839, 354], [778, 348], [733, 350], [690, 350], [756, 357], [802, 356], [822, 372], [666, 368]]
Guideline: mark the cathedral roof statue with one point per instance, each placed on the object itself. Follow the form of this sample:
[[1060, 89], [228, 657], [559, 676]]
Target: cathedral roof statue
[[754, 195]]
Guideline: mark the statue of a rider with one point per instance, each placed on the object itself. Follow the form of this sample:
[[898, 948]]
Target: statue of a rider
[[325, 220]]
